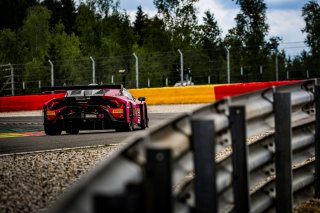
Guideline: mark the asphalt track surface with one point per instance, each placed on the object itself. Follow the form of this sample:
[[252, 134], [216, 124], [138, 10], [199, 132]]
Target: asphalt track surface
[[25, 134]]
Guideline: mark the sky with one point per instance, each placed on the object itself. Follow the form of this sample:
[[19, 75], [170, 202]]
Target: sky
[[283, 17]]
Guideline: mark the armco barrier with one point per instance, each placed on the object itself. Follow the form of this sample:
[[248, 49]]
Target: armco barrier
[[164, 95], [257, 152]]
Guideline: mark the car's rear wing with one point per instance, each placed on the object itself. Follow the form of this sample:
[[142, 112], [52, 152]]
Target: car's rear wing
[[90, 87]]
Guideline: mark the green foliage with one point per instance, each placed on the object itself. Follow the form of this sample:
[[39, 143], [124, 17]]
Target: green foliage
[[86, 26], [9, 46], [140, 25], [36, 34], [104, 7], [62, 11], [13, 12], [311, 15], [64, 46], [180, 18], [209, 36]]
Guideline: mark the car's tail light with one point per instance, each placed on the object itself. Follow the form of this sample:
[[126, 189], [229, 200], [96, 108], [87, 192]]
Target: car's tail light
[[51, 115]]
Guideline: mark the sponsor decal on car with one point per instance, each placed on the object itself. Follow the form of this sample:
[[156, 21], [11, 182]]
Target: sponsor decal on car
[[139, 117], [116, 111], [50, 113], [90, 116]]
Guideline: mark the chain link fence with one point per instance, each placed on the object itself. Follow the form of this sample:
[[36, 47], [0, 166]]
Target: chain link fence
[[153, 70]]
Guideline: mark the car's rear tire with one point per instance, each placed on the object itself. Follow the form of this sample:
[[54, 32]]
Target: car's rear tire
[[72, 129], [127, 127], [130, 125], [144, 117], [52, 129]]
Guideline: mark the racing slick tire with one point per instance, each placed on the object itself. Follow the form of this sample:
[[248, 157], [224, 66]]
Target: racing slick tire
[[52, 129], [146, 115], [144, 118], [128, 127], [72, 131]]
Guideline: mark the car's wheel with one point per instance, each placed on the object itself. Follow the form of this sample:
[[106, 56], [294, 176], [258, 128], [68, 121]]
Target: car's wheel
[[127, 127], [52, 129], [72, 130], [130, 125], [146, 115], [144, 121]]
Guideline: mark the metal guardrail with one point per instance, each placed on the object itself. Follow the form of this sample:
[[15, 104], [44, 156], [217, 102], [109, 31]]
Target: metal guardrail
[[187, 164]]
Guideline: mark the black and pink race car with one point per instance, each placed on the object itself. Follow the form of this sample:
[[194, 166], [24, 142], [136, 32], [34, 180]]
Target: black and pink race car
[[94, 107]]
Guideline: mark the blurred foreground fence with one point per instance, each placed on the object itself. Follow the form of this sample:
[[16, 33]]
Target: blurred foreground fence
[[251, 153]]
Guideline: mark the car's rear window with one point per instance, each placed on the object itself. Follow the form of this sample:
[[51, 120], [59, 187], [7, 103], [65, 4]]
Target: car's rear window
[[97, 92]]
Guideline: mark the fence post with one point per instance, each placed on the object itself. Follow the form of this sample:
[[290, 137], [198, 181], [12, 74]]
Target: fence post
[[137, 69], [228, 64], [52, 72], [203, 143], [181, 66], [283, 156], [276, 66], [93, 70], [239, 159], [317, 144], [12, 79], [158, 181]]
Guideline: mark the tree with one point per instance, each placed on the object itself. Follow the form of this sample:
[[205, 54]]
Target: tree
[[248, 37], [36, 32], [118, 28], [311, 15], [140, 25], [65, 50], [13, 12], [87, 30], [299, 66], [209, 37], [10, 47], [157, 38], [62, 11], [180, 17], [104, 7]]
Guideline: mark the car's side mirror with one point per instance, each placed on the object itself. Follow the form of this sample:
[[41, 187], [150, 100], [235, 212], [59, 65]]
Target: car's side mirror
[[142, 99]]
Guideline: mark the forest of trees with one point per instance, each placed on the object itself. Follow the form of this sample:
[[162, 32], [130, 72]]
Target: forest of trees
[[69, 32]]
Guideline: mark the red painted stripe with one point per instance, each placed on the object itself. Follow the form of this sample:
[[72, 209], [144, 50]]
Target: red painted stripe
[[25, 102]]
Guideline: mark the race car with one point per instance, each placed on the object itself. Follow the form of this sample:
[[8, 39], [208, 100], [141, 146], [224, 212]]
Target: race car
[[93, 107]]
